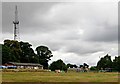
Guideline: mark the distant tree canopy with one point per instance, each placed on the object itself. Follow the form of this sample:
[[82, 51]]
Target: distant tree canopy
[[71, 65], [93, 68], [59, 64], [106, 62], [15, 51], [85, 65]]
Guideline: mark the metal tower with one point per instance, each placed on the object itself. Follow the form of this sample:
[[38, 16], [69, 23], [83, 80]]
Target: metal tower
[[16, 25]]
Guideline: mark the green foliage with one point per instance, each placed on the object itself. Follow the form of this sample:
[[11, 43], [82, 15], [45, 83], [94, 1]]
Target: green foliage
[[58, 65], [27, 54], [15, 51], [116, 63], [44, 55], [22, 52], [93, 68], [71, 65], [85, 65], [5, 54], [11, 51], [105, 62]]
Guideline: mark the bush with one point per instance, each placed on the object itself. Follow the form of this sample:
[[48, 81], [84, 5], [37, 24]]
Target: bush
[[58, 65]]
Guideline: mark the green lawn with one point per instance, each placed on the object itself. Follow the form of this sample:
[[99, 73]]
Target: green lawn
[[59, 77]]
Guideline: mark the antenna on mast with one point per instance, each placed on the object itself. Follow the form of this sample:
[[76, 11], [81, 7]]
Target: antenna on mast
[[16, 25]]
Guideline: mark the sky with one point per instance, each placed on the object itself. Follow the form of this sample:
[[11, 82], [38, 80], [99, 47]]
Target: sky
[[76, 32]]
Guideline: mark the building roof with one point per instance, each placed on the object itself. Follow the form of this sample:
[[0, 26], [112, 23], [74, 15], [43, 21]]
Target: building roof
[[25, 64]]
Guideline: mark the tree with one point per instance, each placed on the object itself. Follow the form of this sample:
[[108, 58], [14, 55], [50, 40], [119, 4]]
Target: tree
[[22, 52], [18, 52], [116, 63], [44, 55], [93, 68], [71, 65], [81, 66], [5, 54], [12, 49], [75, 66], [59, 64], [85, 65], [27, 54], [105, 62]]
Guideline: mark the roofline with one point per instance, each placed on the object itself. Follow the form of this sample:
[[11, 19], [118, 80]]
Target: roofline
[[25, 64]]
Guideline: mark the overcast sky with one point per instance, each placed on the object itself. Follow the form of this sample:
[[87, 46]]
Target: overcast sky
[[75, 32]]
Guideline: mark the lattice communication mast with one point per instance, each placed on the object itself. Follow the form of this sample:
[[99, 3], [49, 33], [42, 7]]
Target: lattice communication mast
[[16, 25]]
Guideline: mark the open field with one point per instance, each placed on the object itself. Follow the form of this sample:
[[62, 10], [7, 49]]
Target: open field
[[59, 77]]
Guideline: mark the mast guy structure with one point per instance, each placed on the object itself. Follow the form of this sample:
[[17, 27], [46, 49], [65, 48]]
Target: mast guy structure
[[16, 25]]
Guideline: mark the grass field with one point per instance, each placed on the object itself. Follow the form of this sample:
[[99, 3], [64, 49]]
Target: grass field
[[59, 77]]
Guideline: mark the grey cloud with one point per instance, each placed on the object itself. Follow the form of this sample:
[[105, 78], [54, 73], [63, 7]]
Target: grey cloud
[[104, 34], [82, 47], [26, 13]]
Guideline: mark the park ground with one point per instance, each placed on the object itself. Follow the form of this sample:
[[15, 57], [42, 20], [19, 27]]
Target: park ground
[[59, 77]]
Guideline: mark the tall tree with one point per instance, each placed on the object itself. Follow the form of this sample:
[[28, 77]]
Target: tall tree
[[105, 62], [18, 52], [27, 54], [13, 48], [44, 55]]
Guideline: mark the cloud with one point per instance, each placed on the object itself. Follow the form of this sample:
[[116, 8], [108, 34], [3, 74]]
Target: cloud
[[75, 17]]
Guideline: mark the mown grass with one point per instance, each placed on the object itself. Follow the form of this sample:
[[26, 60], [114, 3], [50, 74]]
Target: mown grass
[[59, 77]]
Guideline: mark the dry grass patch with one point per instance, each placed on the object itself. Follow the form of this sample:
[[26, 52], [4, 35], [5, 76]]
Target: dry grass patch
[[59, 77]]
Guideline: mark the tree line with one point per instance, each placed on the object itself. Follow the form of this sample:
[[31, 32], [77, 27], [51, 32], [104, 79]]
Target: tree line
[[14, 51], [106, 63]]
